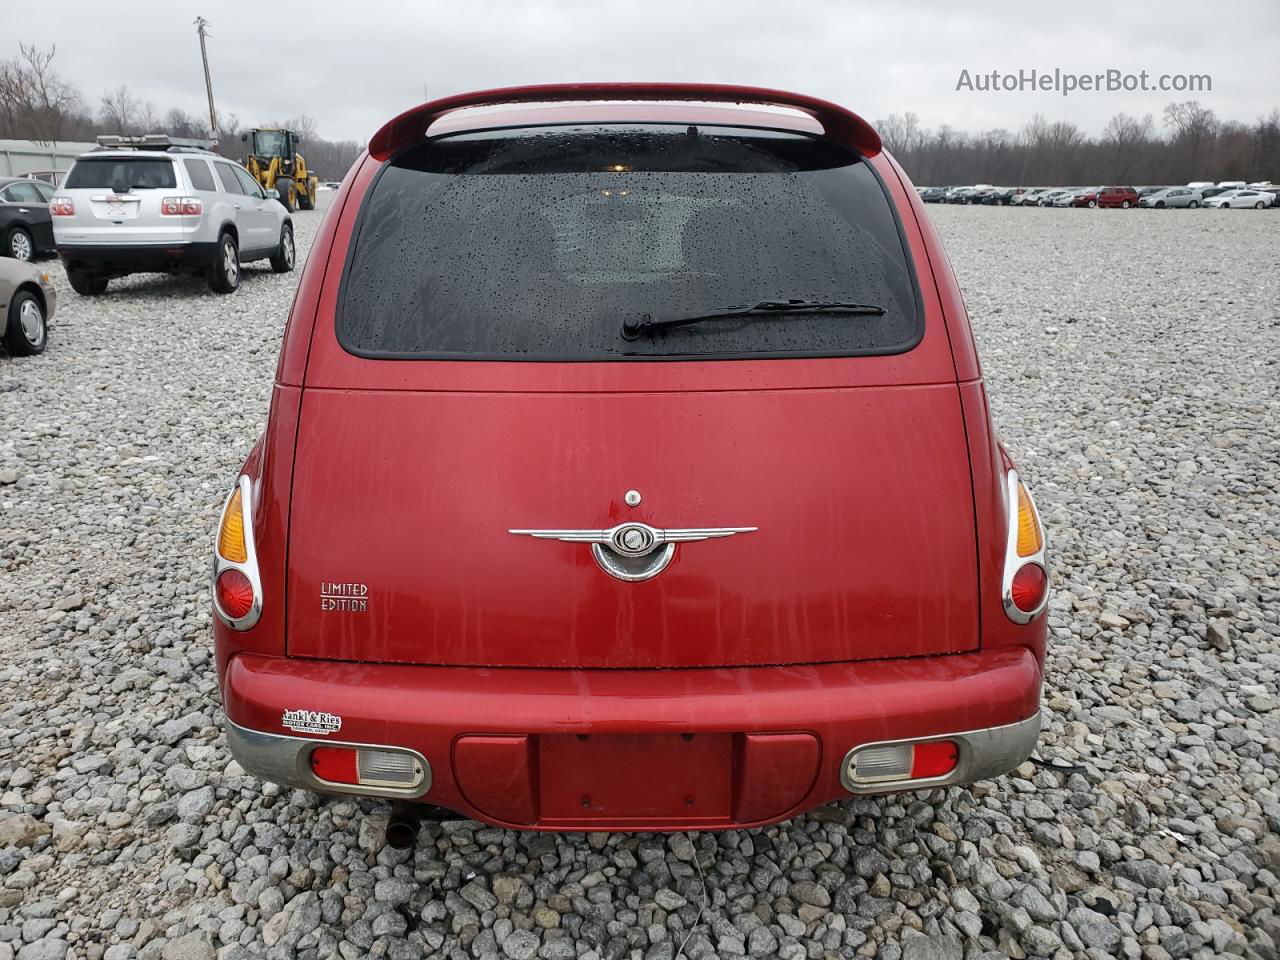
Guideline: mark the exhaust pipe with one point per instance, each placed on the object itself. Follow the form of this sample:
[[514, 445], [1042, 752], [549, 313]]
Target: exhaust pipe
[[406, 821], [403, 825]]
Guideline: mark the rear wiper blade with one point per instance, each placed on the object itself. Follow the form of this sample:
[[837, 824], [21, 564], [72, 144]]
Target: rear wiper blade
[[633, 327]]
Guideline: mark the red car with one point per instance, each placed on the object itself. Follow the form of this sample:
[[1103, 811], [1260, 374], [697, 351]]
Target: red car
[[629, 466], [1124, 197], [1085, 198]]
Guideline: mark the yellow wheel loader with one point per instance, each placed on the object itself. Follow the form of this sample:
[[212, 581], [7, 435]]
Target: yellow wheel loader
[[276, 163]]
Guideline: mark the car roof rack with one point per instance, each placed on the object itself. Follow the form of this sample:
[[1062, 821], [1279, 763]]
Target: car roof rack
[[153, 141]]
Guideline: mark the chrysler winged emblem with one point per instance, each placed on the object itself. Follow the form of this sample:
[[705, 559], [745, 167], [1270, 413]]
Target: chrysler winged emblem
[[634, 551]]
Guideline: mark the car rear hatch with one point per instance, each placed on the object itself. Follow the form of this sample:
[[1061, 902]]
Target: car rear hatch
[[117, 200], [469, 378]]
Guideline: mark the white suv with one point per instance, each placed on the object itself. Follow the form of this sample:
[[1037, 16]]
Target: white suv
[[156, 204]]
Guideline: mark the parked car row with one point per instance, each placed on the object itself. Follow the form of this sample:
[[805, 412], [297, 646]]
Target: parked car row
[[1228, 194]]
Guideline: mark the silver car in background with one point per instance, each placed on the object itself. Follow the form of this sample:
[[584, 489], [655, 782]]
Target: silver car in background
[[154, 204], [1240, 199], [27, 301], [1172, 197]]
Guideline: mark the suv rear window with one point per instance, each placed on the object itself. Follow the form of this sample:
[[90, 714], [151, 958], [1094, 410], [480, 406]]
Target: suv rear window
[[133, 173], [537, 244]]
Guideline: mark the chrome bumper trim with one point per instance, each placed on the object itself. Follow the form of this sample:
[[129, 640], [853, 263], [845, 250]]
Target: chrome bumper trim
[[982, 754], [283, 759]]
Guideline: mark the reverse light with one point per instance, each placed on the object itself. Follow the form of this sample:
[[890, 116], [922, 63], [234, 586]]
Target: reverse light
[[1025, 590], [62, 207], [181, 206], [888, 762], [237, 589], [368, 767]]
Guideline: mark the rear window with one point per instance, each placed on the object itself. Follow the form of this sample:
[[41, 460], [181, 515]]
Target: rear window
[[538, 244], [125, 173]]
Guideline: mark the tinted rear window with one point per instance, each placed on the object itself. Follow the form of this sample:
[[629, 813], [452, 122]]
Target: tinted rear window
[[538, 244], [133, 173]]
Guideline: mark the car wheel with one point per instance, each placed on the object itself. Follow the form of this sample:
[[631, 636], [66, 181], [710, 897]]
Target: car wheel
[[224, 272], [284, 187], [1258, 206], [19, 245], [1092, 204], [27, 331], [1193, 204], [1125, 204], [87, 284], [282, 259]]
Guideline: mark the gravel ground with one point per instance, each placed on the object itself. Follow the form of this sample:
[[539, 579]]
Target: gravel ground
[[1132, 358]]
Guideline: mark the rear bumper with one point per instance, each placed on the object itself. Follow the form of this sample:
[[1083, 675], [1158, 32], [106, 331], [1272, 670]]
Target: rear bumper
[[635, 749], [138, 258]]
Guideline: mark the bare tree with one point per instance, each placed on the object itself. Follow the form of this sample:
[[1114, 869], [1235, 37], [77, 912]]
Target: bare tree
[[182, 124], [1192, 126], [1124, 141], [33, 99], [899, 132], [148, 119], [119, 111]]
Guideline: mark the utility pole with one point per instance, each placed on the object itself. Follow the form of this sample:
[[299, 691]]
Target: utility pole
[[201, 24]]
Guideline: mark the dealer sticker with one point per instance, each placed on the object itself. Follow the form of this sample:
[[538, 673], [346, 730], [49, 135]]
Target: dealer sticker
[[311, 721]]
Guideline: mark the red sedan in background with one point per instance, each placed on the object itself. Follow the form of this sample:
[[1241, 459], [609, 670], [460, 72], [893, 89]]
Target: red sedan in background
[[629, 466], [1086, 198]]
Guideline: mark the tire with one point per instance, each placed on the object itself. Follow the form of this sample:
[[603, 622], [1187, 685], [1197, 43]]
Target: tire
[[224, 273], [1259, 205], [1125, 205], [306, 199], [27, 329], [87, 284], [1092, 204], [285, 189], [19, 245], [282, 260], [1160, 204]]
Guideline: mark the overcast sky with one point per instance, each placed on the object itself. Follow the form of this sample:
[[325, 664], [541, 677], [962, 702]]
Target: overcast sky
[[352, 64]]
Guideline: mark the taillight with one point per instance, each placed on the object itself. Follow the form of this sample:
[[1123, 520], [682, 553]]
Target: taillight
[[368, 767], [62, 207], [1029, 587], [235, 593], [181, 206], [237, 590], [1026, 580], [881, 763]]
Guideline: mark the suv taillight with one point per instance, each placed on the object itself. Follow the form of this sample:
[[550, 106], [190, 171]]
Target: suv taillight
[[1026, 579], [181, 206], [62, 207]]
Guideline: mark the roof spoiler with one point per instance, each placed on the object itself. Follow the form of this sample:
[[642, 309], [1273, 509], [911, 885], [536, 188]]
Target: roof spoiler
[[838, 124]]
